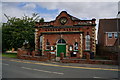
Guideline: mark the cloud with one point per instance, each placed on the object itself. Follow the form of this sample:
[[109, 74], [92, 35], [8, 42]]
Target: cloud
[[84, 10], [29, 6], [48, 5], [81, 10], [12, 10]]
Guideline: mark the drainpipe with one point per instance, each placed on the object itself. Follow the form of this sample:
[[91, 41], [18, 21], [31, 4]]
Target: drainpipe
[[118, 47], [118, 36], [118, 32]]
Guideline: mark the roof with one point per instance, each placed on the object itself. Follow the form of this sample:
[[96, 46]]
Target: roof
[[72, 17], [109, 25], [61, 26], [71, 21]]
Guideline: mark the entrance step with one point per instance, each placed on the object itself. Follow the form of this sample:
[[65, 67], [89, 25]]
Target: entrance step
[[57, 58]]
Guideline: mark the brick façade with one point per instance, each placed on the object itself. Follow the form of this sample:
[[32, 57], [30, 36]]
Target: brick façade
[[74, 30]]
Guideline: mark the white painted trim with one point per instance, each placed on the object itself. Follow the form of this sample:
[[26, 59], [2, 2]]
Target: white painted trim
[[112, 32]]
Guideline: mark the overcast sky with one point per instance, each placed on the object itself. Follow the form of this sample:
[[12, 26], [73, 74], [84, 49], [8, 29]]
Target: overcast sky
[[49, 10]]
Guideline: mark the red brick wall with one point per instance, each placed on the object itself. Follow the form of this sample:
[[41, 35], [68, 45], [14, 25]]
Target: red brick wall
[[69, 22], [109, 41], [69, 38]]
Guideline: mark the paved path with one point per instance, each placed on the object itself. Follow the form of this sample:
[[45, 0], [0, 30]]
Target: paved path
[[17, 68]]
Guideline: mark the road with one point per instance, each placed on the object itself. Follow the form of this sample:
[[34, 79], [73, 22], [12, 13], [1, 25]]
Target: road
[[16, 68]]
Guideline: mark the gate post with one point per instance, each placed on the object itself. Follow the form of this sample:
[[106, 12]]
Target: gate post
[[61, 56]]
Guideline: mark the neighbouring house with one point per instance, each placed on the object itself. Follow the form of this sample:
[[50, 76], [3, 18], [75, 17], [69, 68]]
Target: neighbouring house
[[66, 34], [109, 37]]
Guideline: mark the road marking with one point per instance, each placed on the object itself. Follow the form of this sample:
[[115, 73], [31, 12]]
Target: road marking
[[97, 77], [5, 64], [46, 64], [43, 70]]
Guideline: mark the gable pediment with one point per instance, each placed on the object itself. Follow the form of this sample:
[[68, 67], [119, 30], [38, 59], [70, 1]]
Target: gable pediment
[[65, 19]]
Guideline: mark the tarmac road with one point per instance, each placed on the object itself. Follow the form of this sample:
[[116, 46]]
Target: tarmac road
[[17, 68]]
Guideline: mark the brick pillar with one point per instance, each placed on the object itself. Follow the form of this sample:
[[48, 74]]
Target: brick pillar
[[36, 39], [87, 57], [43, 45], [49, 55], [61, 56], [81, 43], [67, 54], [93, 41], [56, 50]]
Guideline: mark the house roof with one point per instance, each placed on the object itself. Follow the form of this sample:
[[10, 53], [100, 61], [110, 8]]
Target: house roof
[[109, 25]]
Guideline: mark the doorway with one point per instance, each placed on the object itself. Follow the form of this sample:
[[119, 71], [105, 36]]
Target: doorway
[[61, 47]]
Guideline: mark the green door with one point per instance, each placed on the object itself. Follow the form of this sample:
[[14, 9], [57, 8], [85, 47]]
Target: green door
[[61, 48]]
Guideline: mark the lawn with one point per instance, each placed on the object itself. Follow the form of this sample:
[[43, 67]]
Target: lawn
[[11, 55]]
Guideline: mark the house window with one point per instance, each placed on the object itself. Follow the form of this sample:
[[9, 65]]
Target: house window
[[109, 35], [87, 42], [76, 46], [115, 35], [47, 45]]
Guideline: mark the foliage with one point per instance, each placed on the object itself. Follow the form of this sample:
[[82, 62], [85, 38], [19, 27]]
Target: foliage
[[17, 30], [11, 55]]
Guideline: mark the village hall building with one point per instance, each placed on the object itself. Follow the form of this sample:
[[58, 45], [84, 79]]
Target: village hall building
[[66, 34]]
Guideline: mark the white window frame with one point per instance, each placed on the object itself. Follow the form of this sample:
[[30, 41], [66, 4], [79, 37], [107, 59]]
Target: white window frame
[[76, 46], [87, 42], [48, 46], [115, 35], [109, 34]]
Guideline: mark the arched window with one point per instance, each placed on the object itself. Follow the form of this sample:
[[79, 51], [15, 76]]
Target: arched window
[[76, 46], [87, 42], [61, 41], [47, 45]]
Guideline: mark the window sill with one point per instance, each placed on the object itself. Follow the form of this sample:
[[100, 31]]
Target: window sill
[[75, 50], [87, 50], [47, 50]]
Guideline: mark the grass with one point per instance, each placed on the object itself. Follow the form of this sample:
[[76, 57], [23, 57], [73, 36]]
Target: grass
[[11, 55]]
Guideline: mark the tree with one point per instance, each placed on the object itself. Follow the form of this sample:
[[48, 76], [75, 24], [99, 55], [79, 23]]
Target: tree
[[17, 30], [41, 20]]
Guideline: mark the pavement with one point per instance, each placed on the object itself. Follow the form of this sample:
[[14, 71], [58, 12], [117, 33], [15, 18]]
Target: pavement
[[18, 68]]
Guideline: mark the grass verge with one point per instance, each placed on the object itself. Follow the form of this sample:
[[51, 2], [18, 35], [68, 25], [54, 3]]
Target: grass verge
[[11, 55]]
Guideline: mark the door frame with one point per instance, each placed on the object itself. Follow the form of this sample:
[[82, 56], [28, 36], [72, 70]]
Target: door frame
[[57, 48]]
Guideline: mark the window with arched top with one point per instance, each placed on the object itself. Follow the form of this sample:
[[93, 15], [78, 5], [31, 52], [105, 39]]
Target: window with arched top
[[47, 45], [87, 42], [76, 46], [61, 41]]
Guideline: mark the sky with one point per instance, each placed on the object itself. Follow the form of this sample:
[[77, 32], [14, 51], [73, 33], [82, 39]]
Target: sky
[[49, 10]]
